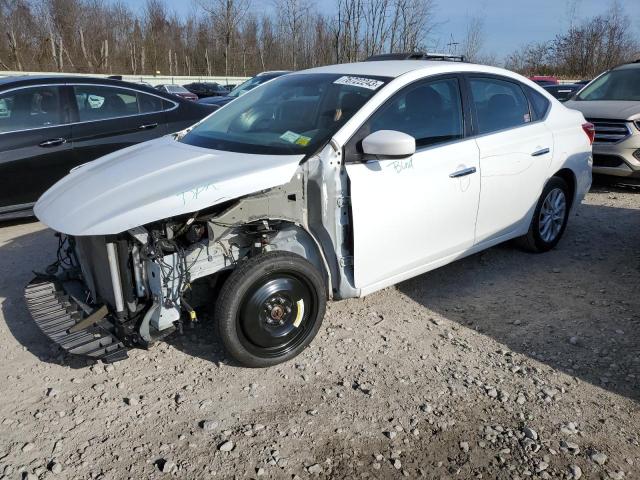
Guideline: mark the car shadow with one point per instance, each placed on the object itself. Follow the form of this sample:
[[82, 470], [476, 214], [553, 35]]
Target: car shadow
[[576, 308], [201, 340], [21, 254]]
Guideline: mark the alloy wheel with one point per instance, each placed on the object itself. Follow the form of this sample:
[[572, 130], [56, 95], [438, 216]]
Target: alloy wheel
[[552, 215]]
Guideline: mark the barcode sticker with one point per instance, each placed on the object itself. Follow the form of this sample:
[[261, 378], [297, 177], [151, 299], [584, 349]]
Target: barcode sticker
[[368, 83]]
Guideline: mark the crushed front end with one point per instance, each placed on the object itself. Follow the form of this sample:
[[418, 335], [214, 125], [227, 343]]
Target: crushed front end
[[107, 293], [70, 308]]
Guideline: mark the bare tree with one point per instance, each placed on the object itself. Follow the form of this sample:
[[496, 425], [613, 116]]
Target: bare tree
[[588, 47], [473, 42], [226, 15], [377, 29]]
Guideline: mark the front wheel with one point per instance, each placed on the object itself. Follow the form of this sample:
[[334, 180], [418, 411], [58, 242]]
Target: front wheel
[[549, 218], [270, 309]]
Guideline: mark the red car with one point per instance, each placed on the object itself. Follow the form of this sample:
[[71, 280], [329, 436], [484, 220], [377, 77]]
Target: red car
[[178, 91], [544, 80]]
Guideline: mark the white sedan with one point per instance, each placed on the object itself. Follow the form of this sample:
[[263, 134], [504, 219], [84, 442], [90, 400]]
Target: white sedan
[[328, 183]]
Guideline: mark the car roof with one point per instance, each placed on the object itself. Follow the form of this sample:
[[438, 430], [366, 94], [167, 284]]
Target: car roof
[[628, 66], [273, 72], [29, 80], [396, 68]]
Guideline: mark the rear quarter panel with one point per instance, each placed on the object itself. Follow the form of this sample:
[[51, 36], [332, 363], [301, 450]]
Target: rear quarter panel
[[572, 148]]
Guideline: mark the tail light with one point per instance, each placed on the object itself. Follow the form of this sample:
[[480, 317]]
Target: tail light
[[590, 130]]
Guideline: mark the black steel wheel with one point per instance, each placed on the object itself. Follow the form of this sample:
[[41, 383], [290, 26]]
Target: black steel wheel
[[270, 308]]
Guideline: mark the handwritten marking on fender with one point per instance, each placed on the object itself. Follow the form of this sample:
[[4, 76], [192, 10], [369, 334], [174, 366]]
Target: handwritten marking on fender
[[193, 194]]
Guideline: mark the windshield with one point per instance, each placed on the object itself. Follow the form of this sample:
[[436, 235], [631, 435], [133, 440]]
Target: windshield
[[294, 114], [623, 84], [176, 89], [244, 87]]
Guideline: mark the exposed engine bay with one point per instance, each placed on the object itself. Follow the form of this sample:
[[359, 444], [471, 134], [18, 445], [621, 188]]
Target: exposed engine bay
[[148, 281]]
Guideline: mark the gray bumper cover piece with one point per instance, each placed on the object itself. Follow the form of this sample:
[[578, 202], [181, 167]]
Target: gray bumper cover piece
[[55, 313]]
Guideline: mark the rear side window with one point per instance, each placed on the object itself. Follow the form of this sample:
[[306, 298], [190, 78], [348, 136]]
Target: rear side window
[[27, 108], [431, 112], [499, 104], [149, 103], [539, 104], [98, 102]]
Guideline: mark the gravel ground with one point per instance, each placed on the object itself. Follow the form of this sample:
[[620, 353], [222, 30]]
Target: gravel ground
[[503, 365]]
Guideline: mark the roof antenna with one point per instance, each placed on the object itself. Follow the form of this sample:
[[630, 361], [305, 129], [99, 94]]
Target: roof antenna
[[454, 44]]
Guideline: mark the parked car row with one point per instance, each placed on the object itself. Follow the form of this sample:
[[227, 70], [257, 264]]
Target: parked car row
[[178, 91], [195, 90], [212, 93], [219, 101], [611, 102], [51, 124]]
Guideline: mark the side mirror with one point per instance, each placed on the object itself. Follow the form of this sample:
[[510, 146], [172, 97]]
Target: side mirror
[[389, 143]]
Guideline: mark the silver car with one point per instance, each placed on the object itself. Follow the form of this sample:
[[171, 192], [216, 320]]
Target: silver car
[[612, 103]]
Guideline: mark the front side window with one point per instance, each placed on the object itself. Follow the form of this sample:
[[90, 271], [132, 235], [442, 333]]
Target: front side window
[[499, 104], [27, 108], [294, 114], [431, 112], [622, 84]]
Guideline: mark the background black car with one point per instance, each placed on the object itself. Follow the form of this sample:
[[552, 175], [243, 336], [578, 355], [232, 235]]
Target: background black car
[[563, 92], [217, 102], [48, 125], [205, 90]]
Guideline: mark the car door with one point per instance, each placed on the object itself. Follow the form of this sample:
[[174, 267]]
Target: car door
[[412, 214], [35, 150], [515, 156], [110, 118]]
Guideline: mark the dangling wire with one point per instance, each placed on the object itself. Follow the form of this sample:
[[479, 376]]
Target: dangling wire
[[64, 259]]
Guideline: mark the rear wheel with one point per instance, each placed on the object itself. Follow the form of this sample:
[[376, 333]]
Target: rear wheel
[[270, 309], [549, 218]]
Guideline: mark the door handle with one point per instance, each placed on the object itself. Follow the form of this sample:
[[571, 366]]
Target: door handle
[[148, 126], [540, 152], [54, 142], [463, 173]]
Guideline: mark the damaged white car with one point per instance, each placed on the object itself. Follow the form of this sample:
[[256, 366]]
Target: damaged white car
[[329, 183]]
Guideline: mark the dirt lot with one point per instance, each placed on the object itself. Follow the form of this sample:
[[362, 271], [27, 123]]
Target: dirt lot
[[504, 365]]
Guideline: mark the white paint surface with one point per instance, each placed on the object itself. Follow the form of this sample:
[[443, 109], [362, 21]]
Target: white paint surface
[[152, 181], [409, 212]]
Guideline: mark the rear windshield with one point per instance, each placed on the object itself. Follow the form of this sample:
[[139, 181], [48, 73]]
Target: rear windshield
[[623, 84], [293, 114], [176, 89]]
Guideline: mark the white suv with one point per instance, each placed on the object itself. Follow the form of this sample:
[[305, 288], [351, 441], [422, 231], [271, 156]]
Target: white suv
[[612, 103], [324, 184]]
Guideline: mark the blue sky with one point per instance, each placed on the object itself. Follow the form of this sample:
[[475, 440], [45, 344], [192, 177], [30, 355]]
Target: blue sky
[[509, 24]]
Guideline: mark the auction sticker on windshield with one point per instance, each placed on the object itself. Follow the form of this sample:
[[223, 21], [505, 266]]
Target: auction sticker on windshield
[[368, 83], [296, 138]]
